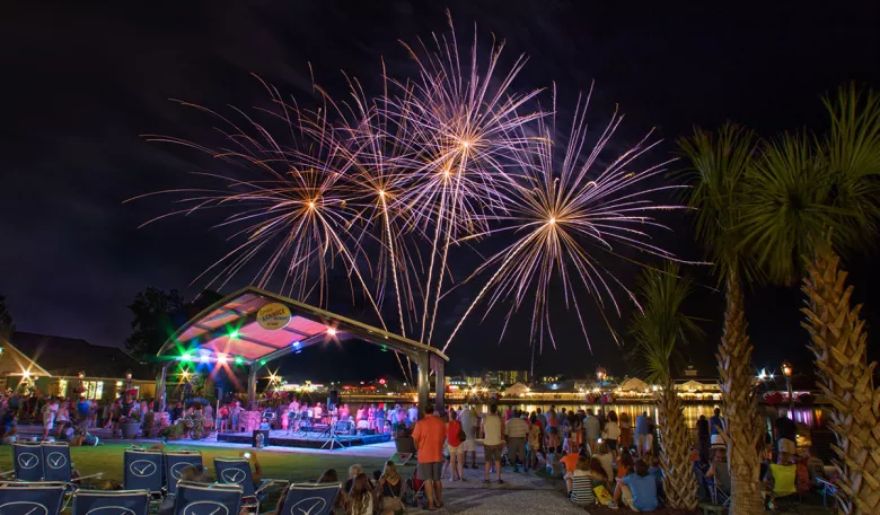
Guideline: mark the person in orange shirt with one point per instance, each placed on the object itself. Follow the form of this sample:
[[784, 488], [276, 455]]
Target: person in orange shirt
[[570, 462], [429, 436]]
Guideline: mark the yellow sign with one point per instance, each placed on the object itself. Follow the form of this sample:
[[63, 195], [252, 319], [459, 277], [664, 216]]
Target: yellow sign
[[273, 316]]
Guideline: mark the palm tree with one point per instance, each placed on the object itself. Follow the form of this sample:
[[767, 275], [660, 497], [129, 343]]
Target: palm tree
[[718, 164], [807, 199], [659, 330]]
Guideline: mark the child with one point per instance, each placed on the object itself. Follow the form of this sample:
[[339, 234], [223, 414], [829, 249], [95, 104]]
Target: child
[[581, 491], [360, 497], [554, 448]]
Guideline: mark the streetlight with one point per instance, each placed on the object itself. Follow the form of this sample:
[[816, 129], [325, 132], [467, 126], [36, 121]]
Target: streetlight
[[787, 371]]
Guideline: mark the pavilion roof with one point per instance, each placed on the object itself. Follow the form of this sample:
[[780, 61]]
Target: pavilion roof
[[230, 328]]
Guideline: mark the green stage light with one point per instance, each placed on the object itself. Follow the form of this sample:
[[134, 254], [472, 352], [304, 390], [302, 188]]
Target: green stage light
[[262, 362], [239, 360], [233, 334], [185, 357]]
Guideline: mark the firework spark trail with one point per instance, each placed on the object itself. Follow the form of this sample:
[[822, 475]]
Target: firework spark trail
[[462, 126], [451, 156], [558, 214]]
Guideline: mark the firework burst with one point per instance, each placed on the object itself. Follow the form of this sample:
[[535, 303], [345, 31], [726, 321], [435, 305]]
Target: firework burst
[[565, 216]]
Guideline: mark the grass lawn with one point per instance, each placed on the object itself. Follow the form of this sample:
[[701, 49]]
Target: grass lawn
[[277, 465]]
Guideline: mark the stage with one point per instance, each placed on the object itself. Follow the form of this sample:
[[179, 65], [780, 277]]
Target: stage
[[308, 439]]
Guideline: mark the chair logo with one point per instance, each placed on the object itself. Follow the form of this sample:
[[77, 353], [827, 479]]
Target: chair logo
[[142, 468], [233, 475], [23, 508], [177, 469], [309, 506], [56, 460], [28, 460], [111, 510], [206, 508]]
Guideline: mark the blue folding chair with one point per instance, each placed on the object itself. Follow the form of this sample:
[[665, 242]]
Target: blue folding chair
[[175, 463], [207, 499], [109, 502], [143, 471], [28, 461], [309, 499], [237, 471], [34, 498]]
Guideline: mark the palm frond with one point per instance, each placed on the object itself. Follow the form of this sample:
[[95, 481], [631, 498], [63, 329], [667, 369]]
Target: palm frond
[[717, 164], [661, 328]]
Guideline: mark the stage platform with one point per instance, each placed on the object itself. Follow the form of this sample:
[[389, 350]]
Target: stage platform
[[312, 440]]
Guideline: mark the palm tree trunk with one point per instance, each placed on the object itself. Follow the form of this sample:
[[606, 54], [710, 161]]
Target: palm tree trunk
[[839, 339], [742, 427], [679, 482]]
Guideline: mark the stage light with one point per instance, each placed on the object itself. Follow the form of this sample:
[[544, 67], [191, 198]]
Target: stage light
[[382, 381], [204, 358], [296, 344], [331, 331], [222, 359], [239, 360], [233, 334], [185, 357]]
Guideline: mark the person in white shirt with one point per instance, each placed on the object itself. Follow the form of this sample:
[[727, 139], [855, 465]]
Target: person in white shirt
[[469, 424], [611, 432], [493, 442]]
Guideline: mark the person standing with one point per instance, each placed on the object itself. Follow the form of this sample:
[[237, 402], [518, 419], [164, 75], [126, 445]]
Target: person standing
[[234, 414], [429, 435], [517, 429], [703, 438], [611, 431], [593, 429], [469, 423], [454, 433], [716, 427], [643, 429], [493, 442], [626, 433], [50, 411]]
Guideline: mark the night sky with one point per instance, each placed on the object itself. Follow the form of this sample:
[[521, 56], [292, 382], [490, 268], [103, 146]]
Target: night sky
[[81, 86]]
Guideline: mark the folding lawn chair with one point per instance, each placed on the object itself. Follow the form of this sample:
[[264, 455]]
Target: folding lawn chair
[[406, 450], [27, 459], [207, 499], [237, 471], [31, 498], [109, 502], [175, 463], [142, 471], [414, 493], [58, 466], [309, 499]]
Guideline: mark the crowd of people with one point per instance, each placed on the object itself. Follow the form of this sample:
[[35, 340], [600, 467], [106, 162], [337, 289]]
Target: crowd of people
[[603, 457]]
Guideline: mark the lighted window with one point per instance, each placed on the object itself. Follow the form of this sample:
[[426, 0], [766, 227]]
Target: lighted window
[[62, 387]]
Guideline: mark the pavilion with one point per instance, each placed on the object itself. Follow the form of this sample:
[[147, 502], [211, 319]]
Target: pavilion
[[252, 327]]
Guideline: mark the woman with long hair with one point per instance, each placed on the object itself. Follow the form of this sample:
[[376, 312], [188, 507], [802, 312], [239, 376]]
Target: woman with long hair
[[390, 490], [360, 497]]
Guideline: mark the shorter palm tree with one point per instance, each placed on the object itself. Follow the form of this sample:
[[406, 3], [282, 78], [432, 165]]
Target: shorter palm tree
[[659, 331]]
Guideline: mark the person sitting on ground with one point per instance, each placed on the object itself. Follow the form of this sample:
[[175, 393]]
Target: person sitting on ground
[[780, 480], [581, 490], [624, 464], [638, 490], [360, 497], [718, 473], [390, 490], [353, 471], [569, 462]]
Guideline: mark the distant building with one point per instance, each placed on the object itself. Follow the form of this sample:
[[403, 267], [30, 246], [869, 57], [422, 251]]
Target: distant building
[[52, 364]]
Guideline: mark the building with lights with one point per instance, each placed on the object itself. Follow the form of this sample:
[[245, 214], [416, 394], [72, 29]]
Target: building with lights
[[56, 365]]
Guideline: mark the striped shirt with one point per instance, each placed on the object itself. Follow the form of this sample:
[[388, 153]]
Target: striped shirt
[[582, 489]]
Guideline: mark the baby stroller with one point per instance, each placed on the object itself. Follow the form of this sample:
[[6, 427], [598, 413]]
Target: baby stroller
[[414, 494]]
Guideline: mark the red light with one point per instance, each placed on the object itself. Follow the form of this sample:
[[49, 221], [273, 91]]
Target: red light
[[382, 381]]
